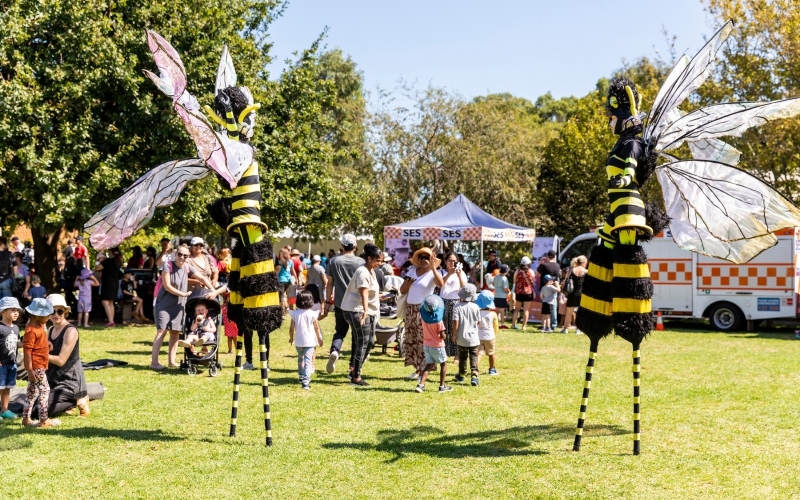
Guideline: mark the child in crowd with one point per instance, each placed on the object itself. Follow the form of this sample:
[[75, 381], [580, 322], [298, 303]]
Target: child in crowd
[[305, 334], [84, 283], [36, 291], [433, 331], [501, 292], [465, 332], [203, 328], [549, 296], [37, 352], [9, 339], [487, 328], [128, 286], [231, 330]]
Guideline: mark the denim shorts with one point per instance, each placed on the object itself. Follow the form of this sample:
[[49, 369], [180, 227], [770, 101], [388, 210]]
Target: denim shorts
[[8, 376], [434, 355]]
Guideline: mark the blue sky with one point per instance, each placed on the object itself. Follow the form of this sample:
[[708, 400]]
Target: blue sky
[[526, 48]]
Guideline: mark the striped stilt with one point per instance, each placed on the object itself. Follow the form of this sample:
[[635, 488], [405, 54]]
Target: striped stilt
[[236, 378], [265, 388], [585, 398], [636, 378]]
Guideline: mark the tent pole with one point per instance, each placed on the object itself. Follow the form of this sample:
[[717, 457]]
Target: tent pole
[[482, 269]]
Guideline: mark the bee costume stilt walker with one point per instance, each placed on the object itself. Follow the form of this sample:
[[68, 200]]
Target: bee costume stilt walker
[[254, 300], [712, 207]]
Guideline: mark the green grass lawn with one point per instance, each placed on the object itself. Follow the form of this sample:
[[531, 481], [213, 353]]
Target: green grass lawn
[[719, 420]]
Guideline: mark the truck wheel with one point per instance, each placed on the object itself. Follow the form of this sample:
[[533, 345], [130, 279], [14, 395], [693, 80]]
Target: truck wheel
[[726, 317]]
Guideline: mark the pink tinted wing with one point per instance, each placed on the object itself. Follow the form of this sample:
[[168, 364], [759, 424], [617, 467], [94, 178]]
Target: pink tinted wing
[[169, 63]]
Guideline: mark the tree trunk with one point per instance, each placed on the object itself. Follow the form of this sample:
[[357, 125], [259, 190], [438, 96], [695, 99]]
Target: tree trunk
[[45, 252]]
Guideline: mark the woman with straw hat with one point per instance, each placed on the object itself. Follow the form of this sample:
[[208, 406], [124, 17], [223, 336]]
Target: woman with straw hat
[[420, 280]]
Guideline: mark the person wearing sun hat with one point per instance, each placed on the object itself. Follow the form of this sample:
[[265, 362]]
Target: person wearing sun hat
[[9, 341], [487, 328], [432, 313], [420, 280], [466, 316], [37, 353]]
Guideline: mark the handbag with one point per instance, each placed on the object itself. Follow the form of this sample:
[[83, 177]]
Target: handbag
[[402, 302], [569, 286]]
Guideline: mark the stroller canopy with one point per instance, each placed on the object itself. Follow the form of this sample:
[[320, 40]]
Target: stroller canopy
[[459, 220]]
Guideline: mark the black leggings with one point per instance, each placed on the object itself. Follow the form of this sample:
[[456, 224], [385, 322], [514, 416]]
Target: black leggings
[[57, 403], [248, 345]]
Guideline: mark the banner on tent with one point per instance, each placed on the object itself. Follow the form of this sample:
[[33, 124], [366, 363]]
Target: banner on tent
[[465, 234]]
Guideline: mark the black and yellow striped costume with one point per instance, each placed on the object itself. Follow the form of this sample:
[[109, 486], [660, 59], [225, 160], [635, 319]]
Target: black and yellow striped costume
[[617, 289], [254, 298]]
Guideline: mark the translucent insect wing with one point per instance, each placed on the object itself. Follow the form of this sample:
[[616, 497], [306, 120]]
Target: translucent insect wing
[[226, 73]]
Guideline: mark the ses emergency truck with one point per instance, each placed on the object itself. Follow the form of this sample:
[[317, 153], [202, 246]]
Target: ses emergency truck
[[690, 285]]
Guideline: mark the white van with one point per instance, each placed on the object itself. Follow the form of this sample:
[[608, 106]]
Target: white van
[[689, 285]]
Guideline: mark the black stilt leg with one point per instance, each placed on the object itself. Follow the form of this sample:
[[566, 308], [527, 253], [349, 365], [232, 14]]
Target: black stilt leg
[[236, 380], [636, 379], [585, 398]]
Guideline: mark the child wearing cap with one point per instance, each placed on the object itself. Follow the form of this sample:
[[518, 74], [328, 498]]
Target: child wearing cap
[[433, 332], [84, 283], [9, 340], [37, 356], [487, 328], [128, 286], [549, 296], [466, 316], [501, 291]]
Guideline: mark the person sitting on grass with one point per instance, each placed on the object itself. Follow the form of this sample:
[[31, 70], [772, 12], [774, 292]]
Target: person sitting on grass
[[305, 334], [9, 340], [128, 286], [203, 328], [465, 332], [433, 331], [549, 294], [487, 328], [37, 355]]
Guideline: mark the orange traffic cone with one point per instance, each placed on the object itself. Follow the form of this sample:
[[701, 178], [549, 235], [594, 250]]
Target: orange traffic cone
[[659, 322]]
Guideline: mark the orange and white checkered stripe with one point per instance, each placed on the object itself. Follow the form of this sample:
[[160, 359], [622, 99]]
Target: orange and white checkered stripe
[[671, 271], [764, 276], [473, 233], [392, 233]]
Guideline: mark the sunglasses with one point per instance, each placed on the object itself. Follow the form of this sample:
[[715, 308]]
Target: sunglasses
[[60, 312], [183, 255], [424, 257]]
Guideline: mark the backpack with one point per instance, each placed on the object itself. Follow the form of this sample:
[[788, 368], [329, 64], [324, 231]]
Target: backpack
[[27, 256]]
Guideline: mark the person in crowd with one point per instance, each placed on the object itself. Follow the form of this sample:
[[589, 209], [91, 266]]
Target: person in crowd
[[84, 283], [299, 265], [454, 279], [9, 341], [404, 268], [65, 375], [323, 260], [128, 287], [551, 267], [465, 267], [36, 359], [136, 261], [549, 296], [577, 272], [340, 272], [223, 265], [36, 291], [110, 275], [316, 275], [523, 292], [286, 274], [16, 245], [386, 267], [203, 328], [316, 294], [22, 273], [170, 303], [203, 265], [231, 330], [361, 309], [7, 274], [306, 335], [493, 263], [165, 254], [487, 329], [466, 316], [81, 253], [433, 331], [331, 254], [420, 280], [69, 249], [71, 271], [501, 291], [149, 258]]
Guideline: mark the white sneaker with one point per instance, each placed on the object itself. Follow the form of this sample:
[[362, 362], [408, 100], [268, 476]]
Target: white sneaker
[[413, 376], [332, 359], [564, 330], [248, 366], [578, 332]]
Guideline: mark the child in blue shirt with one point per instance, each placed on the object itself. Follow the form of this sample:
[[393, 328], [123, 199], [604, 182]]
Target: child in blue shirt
[[549, 296], [9, 340], [36, 291]]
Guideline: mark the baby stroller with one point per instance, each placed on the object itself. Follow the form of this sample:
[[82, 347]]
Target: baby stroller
[[210, 358], [386, 334]]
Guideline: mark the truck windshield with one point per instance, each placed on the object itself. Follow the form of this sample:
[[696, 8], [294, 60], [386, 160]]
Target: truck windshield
[[578, 248]]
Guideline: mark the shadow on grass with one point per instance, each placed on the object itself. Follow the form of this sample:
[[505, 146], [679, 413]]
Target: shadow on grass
[[431, 441], [92, 432], [13, 442]]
